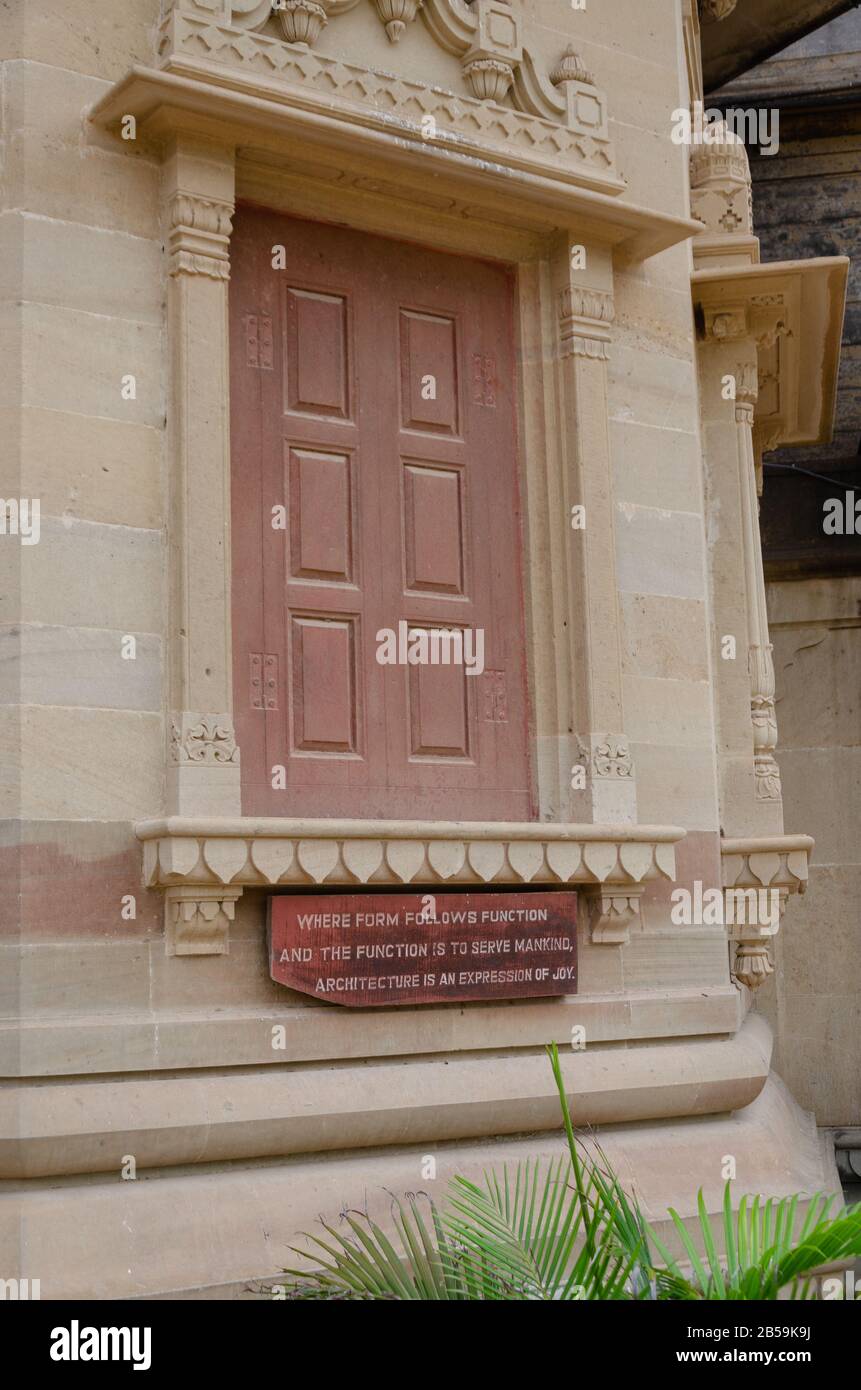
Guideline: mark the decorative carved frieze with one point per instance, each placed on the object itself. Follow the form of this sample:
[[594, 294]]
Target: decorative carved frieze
[[585, 317], [199, 236], [206, 857], [562, 128]]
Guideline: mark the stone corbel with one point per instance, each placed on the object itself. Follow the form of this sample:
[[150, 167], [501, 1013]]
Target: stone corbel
[[199, 236], [585, 320], [612, 913], [197, 920], [776, 865]]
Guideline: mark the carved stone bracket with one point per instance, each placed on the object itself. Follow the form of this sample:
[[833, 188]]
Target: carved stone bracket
[[752, 868], [199, 237], [612, 914], [197, 920], [205, 857], [585, 317]]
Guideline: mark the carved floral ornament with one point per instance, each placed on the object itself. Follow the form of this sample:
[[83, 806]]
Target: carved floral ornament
[[278, 40]]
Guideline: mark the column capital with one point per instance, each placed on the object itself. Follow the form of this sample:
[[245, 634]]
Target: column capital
[[585, 316]]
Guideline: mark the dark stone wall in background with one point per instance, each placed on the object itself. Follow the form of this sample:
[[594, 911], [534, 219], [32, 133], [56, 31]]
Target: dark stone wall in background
[[807, 202]]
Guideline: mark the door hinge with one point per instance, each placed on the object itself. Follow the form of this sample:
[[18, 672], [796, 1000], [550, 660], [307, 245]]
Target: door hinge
[[258, 341], [263, 689], [495, 698]]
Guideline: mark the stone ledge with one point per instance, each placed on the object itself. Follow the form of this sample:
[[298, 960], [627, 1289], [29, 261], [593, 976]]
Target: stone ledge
[[206, 1037], [88, 1126], [114, 1239], [204, 864]]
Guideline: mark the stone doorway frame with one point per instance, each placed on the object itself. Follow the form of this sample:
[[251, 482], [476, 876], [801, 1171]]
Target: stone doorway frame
[[221, 141]]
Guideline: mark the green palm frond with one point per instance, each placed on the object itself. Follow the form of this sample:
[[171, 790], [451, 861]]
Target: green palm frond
[[568, 1231], [766, 1248]]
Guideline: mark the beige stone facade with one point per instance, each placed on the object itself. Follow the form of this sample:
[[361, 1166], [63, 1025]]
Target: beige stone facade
[[138, 1012]]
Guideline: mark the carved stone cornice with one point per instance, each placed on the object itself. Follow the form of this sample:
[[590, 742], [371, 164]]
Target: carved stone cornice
[[199, 236], [205, 857], [792, 311], [585, 316]]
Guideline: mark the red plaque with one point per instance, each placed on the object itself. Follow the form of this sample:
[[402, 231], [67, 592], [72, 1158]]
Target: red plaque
[[365, 950]]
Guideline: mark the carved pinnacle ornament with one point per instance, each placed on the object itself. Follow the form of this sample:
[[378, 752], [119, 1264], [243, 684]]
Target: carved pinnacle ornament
[[302, 20], [488, 78], [570, 69], [396, 15]]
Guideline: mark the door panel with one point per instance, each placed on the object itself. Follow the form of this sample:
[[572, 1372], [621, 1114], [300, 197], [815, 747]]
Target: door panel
[[372, 398]]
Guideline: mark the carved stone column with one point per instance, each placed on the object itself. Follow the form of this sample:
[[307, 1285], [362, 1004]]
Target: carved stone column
[[202, 776], [603, 789], [760, 662]]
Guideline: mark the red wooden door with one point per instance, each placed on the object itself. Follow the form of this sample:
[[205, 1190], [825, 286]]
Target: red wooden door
[[372, 402]]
